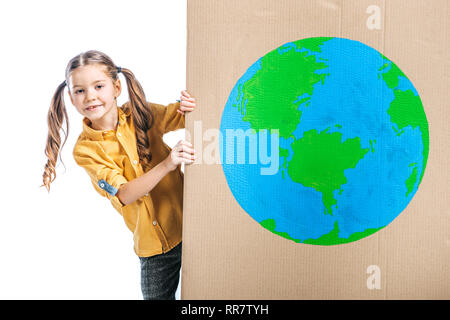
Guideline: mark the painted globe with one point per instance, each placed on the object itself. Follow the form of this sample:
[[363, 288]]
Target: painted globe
[[324, 141]]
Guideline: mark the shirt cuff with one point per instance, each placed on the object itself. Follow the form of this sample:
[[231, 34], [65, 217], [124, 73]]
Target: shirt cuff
[[112, 189]]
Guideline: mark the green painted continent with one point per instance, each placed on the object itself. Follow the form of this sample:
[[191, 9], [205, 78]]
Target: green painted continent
[[330, 238], [319, 162], [270, 94]]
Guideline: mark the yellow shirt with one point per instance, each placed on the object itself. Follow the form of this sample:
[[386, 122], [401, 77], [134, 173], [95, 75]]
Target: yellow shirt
[[110, 159]]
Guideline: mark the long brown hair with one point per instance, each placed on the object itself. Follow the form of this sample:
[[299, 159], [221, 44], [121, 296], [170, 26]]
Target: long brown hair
[[142, 115]]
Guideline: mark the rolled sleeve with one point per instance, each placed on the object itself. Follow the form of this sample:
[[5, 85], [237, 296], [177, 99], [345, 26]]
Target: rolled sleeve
[[105, 175], [167, 118]]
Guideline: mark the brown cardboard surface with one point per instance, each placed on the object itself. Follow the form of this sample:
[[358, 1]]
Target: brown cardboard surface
[[227, 254]]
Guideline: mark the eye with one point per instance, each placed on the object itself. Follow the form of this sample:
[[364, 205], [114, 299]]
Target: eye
[[78, 91], [100, 86]]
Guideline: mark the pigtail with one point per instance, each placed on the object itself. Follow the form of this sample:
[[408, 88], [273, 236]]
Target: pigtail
[[142, 117], [55, 119]]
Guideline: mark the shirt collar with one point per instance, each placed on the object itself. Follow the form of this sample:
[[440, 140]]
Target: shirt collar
[[98, 134]]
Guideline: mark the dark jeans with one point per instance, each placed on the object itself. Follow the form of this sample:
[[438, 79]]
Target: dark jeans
[[160, 274]]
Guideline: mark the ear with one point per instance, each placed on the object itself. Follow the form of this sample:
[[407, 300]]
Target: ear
[[117, 88]]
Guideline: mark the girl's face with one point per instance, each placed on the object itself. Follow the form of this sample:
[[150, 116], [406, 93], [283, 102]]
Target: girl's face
[[93, 92]]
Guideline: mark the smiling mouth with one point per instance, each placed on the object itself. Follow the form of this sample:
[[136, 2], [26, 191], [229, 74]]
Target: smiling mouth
[[92, 108]]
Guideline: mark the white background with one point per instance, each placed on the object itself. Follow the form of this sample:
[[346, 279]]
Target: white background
[[71, 243]]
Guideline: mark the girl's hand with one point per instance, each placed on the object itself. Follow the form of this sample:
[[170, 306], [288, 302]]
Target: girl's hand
[[181, 153], [187, 103]]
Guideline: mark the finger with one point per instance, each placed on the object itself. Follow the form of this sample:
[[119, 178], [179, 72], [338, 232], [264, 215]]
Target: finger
[[185, 148], [184, 98], [184, 160], [180, 111], [189, 108], [188, 162], [187, 156], [187, 143], [185, 93], [186, 109], [178, 147], [187, 104]]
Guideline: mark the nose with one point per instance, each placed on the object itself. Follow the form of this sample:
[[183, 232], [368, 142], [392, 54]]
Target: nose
[[90, 95]]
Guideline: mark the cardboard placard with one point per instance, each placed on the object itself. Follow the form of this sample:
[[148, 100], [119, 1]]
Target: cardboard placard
[[227, 252]]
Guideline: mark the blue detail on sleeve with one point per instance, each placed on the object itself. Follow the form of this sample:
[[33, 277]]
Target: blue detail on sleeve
[[107, 187]]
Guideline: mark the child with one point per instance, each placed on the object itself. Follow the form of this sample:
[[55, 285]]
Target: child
[[122, 151]]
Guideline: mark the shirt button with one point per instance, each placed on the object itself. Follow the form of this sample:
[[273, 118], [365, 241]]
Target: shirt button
[[119, 134], [135, 161], [154, 222]]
